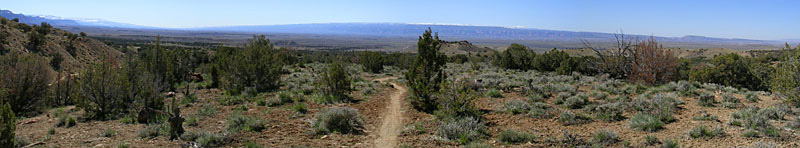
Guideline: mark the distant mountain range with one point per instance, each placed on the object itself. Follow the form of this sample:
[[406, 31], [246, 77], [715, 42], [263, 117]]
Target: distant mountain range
[[405, 30], [58, 21], [461, 31]]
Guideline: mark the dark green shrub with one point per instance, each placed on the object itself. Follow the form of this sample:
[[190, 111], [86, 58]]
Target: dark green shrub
[[512, 137], [645, 122], [752, 97], [51, 131], [730, 70], [751, 134], [494, 93], [338, 119], [425, 75], [191, 121], [25, 79], [455, 101], [8, 124], [56, 61], [207, 110], [372, 61], [36, 40], [300, 108], [232, 100], [335, 83], [109, 133], [104, 90], [241, 123], [651, 140], [515, 56], [251, 144], [549, 61], [257, 67]]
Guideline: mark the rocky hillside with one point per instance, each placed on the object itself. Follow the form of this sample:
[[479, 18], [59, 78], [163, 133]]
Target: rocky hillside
[[76, 50], [464, 47]]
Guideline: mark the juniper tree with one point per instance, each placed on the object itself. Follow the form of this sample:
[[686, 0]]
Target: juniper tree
[[786, 79], [7, 125], [425, 75]]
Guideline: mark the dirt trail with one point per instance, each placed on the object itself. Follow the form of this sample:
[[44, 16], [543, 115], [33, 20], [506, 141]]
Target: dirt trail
[[392, 118]]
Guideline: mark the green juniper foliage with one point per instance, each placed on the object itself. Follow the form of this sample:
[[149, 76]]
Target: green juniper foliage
[[426, 74]]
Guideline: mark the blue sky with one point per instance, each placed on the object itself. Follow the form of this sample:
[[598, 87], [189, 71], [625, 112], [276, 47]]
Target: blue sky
[[754, 19]]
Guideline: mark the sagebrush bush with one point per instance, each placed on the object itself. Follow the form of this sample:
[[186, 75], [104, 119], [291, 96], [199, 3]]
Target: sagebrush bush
[[600, 95], [705, 117], [109, 133], [511, 137], [561, 97], [605, 137], [153, 131], [762, 145], [750, 118], [242, 123], [577, 101], [607, 112], [670, 143], [344, 120], [537, 97], [465, 130], [794, 124], [516, 107], [645, 122], [730, 101], [702, 131], [568, 118], [660, 105], [232, 100], [477, 145], [706, 100], [280, 99], [540, 110], [206, 139]]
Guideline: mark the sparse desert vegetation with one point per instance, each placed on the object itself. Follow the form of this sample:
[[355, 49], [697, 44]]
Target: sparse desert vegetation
[[60, 89]]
